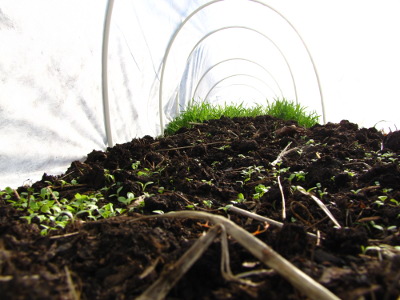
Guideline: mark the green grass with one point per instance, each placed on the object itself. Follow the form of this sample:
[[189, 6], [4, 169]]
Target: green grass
[[288, 110], [280, 108]]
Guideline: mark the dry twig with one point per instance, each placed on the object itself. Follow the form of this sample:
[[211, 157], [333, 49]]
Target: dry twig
[[72, 291], [283, 153], [262, 219], [171, 274], [263, 252], [283, 199], [320, 204]]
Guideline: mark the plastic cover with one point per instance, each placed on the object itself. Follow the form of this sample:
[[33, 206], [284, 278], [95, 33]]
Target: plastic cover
[[163, 53]]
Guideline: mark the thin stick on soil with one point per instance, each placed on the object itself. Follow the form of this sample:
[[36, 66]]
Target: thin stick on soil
[[72, 291], [17, 195], [262, 219], [171, 275], [53, 237], [283, 199], [254, 216], [53, 195], [282, 154], [320, 204], [263, 252]]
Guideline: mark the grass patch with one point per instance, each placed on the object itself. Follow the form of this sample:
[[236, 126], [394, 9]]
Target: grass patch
[[198, 112], [288, 110]]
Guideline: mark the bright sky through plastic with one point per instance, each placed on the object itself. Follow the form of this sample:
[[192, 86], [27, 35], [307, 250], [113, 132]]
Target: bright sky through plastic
[[356, 46]]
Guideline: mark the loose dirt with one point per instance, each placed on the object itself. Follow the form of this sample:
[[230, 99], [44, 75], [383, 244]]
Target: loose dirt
[[246, 162]]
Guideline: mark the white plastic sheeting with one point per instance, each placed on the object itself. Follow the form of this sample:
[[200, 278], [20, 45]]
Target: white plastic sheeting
[[163, 53]]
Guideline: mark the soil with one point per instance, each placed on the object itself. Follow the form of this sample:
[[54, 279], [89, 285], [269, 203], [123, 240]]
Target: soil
[[354, 171]]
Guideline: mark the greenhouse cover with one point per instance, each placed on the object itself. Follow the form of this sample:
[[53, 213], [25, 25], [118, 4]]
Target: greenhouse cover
[[82, 75]]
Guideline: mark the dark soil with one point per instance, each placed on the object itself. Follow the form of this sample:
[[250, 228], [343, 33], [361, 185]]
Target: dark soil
[[203, 168]]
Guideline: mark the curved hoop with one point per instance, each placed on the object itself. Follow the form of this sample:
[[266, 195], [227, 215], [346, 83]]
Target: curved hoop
[[234, 75], [231, 59], [104, 71], [249, 86], [256, 31], [203, 7]]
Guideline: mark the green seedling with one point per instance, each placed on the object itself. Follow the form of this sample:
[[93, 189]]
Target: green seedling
[[369, 155], [318, 188], [381, 228], [118, 191], [387, 157], [379, 249], [397, 203], [192, 206], [260, 191], [309, 190], [349, 172], [135, 165], [109, 177], [381, 201], [120, 211], [64, 183], [147, 195], [215, 163], [386, 190], [208, 203], [249, 171], [51, 212], [146, 172], [128, 199], [376, 226], [209, 182], [300, 151], [125, 200], [298, 175], [310, 142], [365, 249], [107, 211], [321, 192], [222, 148], [144, 185], [7, 193], [240, 199], [278, 171], [355, 192], [226, 207], [382, 198]]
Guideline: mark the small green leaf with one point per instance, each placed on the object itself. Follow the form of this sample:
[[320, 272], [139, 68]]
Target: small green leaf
[[135, 165]]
